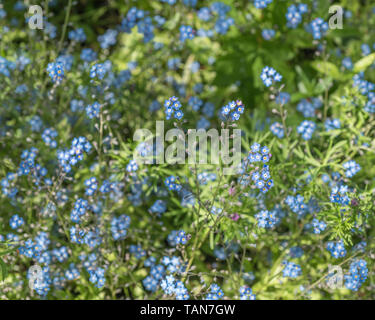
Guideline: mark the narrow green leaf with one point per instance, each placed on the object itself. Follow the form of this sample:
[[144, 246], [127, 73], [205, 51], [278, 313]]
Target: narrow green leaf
[[3, 269], [364, 63], [327, 68]]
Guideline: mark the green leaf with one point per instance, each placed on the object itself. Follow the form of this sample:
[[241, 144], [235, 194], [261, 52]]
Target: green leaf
[[211, 240], [364, 63], [327, 68], [3, 269]]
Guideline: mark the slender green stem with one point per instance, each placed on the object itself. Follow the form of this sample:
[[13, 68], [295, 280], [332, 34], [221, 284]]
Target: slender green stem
[[66, 21]]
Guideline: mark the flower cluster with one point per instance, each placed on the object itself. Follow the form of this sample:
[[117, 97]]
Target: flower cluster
[[93, 110], [56, 71], [159, 207], [108, 38], [48, 137], [156, 274], [91, 186], [16, 221], [72, 273], [365, 87], [28, 162], [77, 35], [132, 166], [277, 129], [308, 107], [291, 269], [215, 293], [294, 14], [233, 110], [351, 168], [347, 63], [181, 237], [171, 286], [222, 23], [137, 251], [79, 209], [246, 293], [261, 178], [140, 18], [282, 98], [318, 28], [296, 252], [332, 124], [97, 277], [261, 4], [268, 34], [205, 177], [267, 219], [61, 254], [66, 60], [306, 129], [173, 264], [269, 76], [370, 104], [98, 71], [172, 107], [119, 226], [357, 274], [195, 103], [337, 249], [318, 226], [186, 32], [30, 249], [339, 195], [88, 55], [297, 204], [6, 66], [70, 157]]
